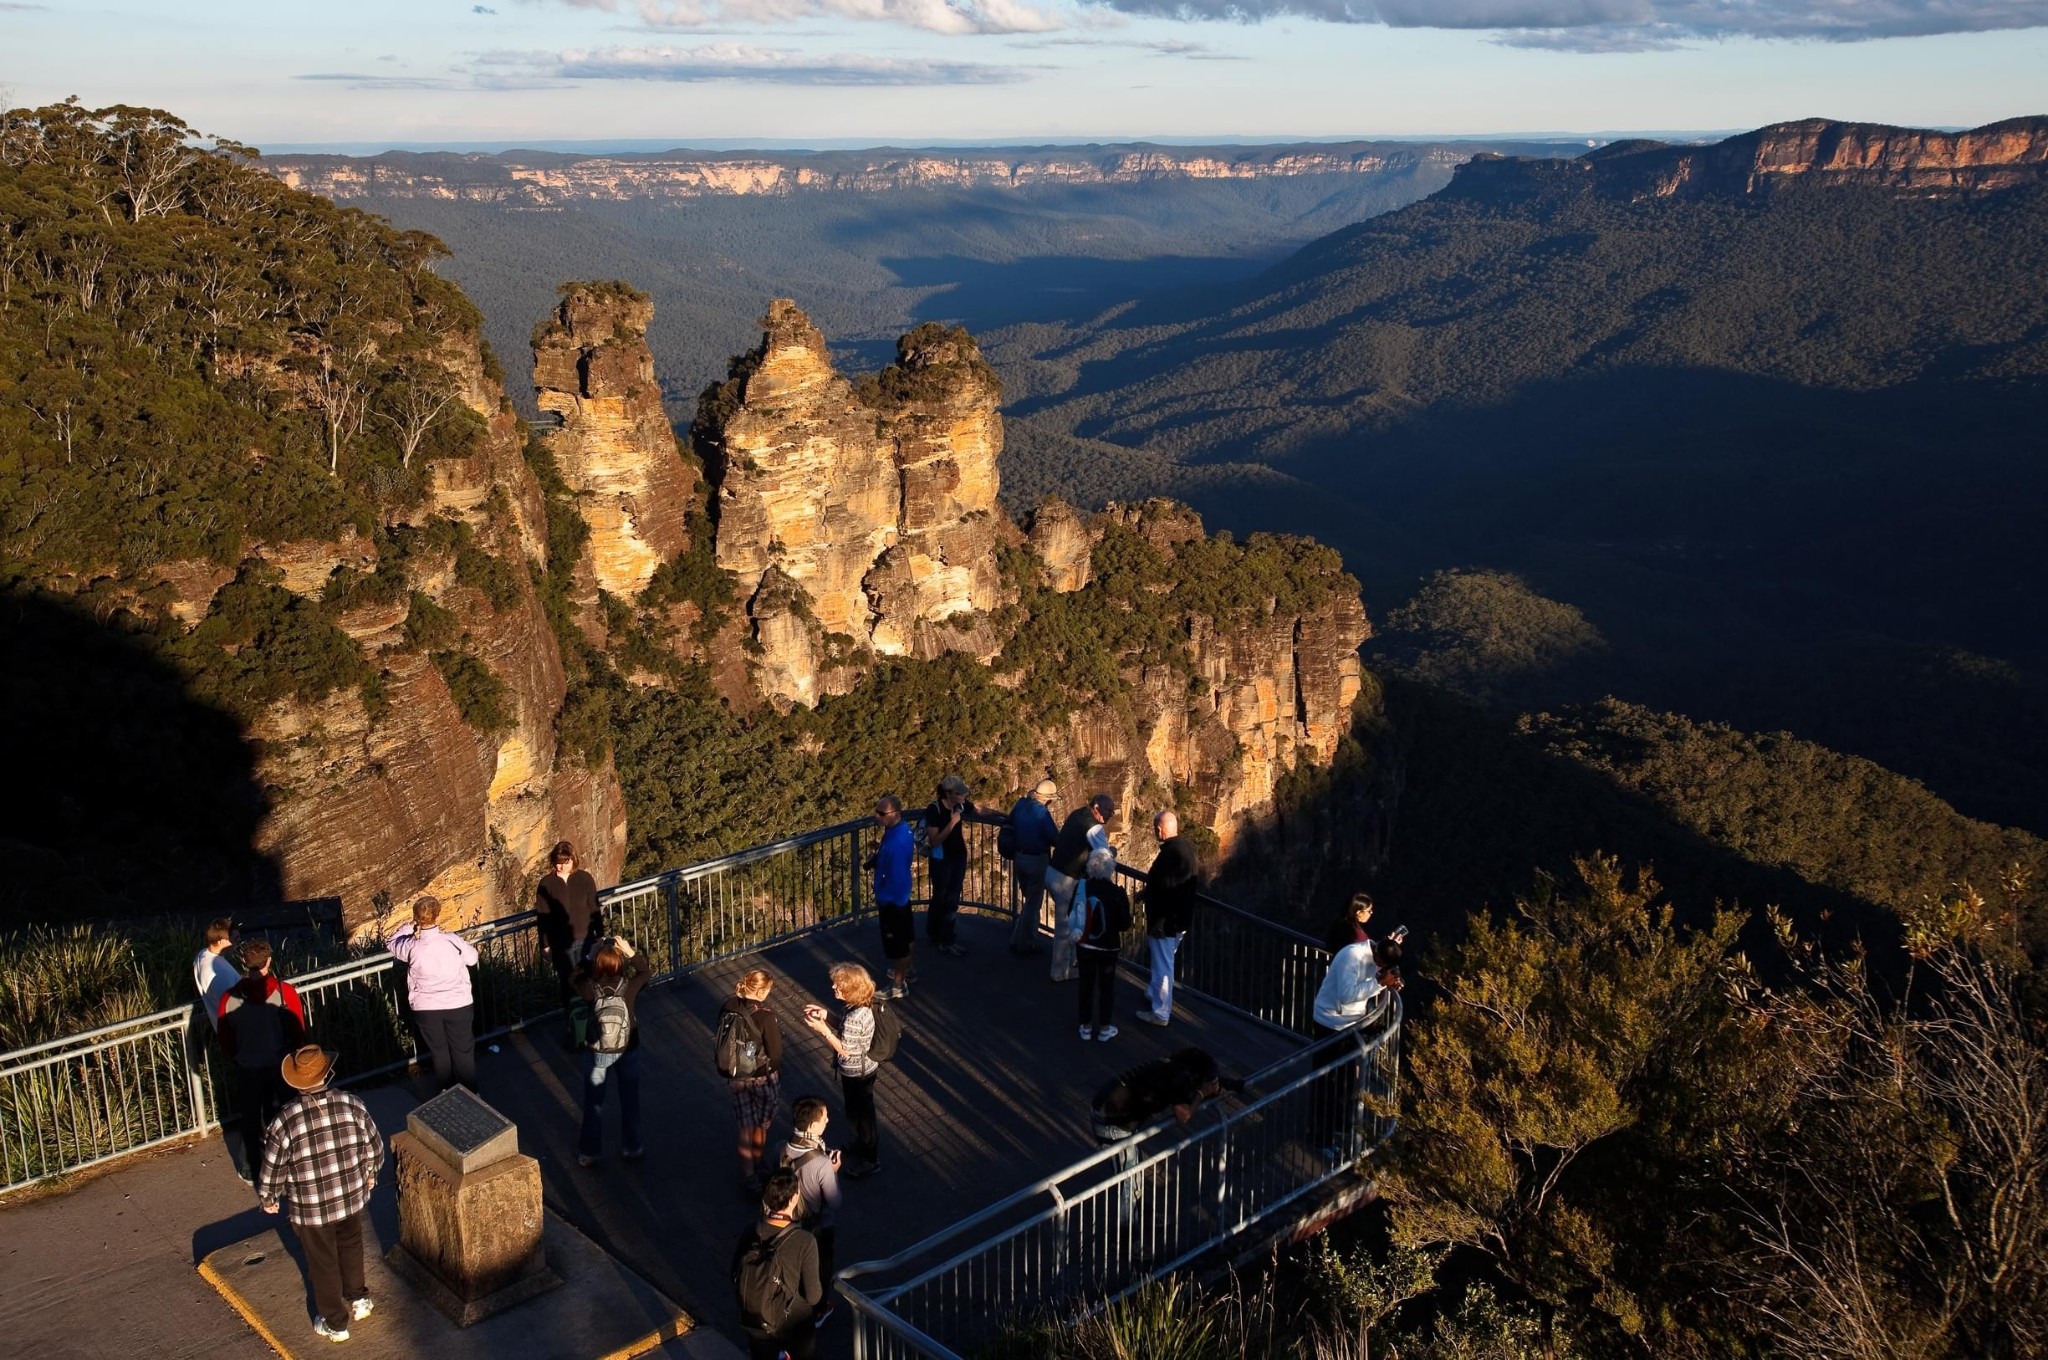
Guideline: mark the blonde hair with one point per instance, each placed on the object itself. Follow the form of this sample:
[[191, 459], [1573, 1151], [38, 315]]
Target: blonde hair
[[755, 984], [853, 984], [426, 911]]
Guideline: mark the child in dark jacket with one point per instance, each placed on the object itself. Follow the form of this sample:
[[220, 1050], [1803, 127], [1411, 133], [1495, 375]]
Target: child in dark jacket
[[1100, 915]]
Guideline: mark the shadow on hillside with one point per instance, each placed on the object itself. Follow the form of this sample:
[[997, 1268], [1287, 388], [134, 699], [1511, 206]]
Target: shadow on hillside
[[1755, 551], [1442, 810], [131, 797], [986, 295]]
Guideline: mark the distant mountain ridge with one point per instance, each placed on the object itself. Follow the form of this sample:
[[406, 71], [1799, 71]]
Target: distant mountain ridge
[[1996, 156], [538, 179]]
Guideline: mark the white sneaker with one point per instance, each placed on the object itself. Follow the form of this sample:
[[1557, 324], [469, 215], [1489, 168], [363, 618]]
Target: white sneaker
[[1106, 1033], [1153, 1019], [360, 1309], [320, 1328], [1087, 1033]]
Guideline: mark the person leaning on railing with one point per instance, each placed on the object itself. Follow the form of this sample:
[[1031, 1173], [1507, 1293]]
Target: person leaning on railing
[[261, 1019], [213, 972], [1352, 991], [1171, 886], [1032, 823]]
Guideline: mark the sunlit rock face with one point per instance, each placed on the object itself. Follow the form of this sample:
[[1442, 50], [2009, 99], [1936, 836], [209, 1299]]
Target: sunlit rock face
[[874, 502]]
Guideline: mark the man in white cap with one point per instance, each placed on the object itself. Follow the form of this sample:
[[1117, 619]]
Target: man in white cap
[[1032, 822], [322, 1155]]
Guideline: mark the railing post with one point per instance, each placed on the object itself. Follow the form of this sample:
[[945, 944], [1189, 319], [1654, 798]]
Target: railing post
[[672, 901], [195, 1076]]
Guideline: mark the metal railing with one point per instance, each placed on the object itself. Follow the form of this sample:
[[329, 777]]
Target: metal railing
[[1136, 1210], [1082, 1234]]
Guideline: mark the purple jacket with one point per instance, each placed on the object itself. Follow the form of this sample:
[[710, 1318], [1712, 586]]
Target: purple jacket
[[437, 967]]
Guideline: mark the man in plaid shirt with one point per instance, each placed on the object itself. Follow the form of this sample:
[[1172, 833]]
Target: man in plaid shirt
[[322, 1154]]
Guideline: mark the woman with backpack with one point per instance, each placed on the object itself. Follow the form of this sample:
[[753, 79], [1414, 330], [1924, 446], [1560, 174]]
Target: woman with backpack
[[610, 984], [1100, 915], [749, 1057], [857, 1070], [437, 990]]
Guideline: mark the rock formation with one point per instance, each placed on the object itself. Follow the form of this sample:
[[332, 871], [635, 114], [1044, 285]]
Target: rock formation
[[375, 808], [1261, 696], [864, 514], [592, 370], [522, 180], [1814, 151]]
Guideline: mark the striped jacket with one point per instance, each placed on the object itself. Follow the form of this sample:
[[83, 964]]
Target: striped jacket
[[322, 1155]]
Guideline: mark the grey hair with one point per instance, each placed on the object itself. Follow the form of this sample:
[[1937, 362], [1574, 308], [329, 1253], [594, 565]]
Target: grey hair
[[889, 801], [1102, 863]]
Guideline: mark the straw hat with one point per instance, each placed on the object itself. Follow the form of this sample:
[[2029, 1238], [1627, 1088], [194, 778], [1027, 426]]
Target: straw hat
[[1046, 791], [308, 1068]]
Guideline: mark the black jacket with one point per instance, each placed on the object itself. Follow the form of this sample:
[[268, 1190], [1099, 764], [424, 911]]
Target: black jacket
[[1172, 884]]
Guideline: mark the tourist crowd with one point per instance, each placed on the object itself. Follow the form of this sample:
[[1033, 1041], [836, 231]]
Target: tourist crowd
[[315, 1150]]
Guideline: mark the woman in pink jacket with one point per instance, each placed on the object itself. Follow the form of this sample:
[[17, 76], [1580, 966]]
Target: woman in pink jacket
[[437, 968]]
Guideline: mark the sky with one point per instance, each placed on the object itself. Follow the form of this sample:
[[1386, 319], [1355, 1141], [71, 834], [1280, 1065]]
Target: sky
[[368, 73]]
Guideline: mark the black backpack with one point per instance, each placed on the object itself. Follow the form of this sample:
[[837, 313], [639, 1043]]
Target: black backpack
[[764, 1296], [1006, 841], [888, 1032], [738, 1051]]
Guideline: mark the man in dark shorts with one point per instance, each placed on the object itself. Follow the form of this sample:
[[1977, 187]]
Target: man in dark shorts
[[891, 865]]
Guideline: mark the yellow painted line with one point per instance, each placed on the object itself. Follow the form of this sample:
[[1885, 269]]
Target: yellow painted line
[[668, 1331], [242, 1306]]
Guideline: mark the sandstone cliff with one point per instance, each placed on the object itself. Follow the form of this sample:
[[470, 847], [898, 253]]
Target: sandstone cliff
[[377, 806], [1814, 151], [541, 180], [861, 517], [593, 372]]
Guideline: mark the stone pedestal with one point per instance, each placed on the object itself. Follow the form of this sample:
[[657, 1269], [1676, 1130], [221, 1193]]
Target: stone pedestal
[[469, 1210]]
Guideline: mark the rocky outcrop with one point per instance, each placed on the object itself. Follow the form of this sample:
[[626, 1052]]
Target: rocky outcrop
[[871, 509], [1214, 734], [540, 180], [374, 804], [1813, 151], [593, 372], [1061, 539]]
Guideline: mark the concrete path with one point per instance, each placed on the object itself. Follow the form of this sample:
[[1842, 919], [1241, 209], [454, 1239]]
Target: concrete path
[[989, 1093]]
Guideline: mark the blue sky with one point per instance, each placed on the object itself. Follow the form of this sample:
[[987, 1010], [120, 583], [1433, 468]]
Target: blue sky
[[281, 72]]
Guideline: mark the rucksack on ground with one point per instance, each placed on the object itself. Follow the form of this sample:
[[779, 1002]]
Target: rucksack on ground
[[888, 1033], [738, 1049], [764, 1296], [611, 1020]]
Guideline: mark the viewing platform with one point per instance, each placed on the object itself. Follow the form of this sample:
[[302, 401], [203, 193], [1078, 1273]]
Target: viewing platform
[[994, 1200]]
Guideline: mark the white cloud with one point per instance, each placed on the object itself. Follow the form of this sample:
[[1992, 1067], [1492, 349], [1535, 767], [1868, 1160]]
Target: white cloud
[[739, 62], [935, 16], [1631, 25]]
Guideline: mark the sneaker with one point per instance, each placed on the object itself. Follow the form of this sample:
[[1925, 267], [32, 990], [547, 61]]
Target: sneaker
[[360, 1309], [1106, 1033], [634, 1154], [1152, 1019], [824, 1314], [1067, 976], [952, 949], [895, 992], [585, 1160], [320, 1328], [1087, 1033]]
